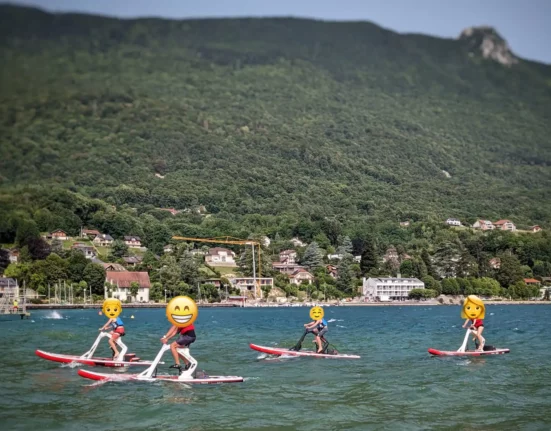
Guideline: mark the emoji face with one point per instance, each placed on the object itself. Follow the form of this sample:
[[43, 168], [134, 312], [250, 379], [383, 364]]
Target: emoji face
[[112, 308], [181, 311], [316, 313], [473, 308]]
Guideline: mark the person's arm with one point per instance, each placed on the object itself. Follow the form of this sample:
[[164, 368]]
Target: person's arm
[[466, 322], [104, 327], [171, 332], [310, 325]]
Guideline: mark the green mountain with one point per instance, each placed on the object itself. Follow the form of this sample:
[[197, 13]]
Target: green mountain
[[273, 117]]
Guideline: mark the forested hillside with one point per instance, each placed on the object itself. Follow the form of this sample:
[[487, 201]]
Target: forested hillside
[[279, 127]]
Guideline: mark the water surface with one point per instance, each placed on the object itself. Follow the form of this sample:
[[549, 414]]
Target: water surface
[[396, 385]]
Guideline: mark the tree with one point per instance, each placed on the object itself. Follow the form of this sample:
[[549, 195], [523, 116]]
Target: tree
[[189, 269], [445, 259], [156, 293], [38, 248], [345, 282], [422, 294], [94, 275], [369, 259], [312, 258], [77, 262], [170, 274], [4, 260], [425, 257], [450, 286], [419, 269], [432, 284], [510, 271], [119, 249], [407, 269], [57, 246], [26, 230], [345, 245], [134, 288]]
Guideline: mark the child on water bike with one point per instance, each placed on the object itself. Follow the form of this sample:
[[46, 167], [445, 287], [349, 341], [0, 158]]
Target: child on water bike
[[112, 308], [319, 329]]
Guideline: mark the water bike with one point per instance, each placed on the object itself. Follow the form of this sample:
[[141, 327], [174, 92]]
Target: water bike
[[488, 350], [327, 350], [189, 375], [121, 360]]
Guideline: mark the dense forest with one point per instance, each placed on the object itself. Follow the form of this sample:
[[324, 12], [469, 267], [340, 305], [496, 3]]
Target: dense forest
[[279, 127]]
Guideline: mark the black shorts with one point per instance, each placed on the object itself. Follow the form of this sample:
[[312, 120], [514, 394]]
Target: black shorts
[[185, 340], [322, 332]]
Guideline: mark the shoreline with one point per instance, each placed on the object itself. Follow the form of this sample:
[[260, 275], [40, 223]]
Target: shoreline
[[276, 305]]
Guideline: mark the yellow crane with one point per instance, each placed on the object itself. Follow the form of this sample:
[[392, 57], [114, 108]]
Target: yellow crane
[[232, 240]]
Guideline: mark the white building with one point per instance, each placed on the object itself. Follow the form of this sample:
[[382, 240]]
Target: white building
[[484, 225], [246, 284], [453, 222], [385, 289], [122, 281], [219, 256]]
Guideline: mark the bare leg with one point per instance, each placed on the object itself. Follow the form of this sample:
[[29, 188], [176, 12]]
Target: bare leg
[[481, 339], [113, 343], [175, 355], [318, 342]]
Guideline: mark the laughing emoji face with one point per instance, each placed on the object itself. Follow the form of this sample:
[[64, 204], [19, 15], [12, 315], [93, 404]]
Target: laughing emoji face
[[316, 313], [181, 311], [112, 308], [473, 308]]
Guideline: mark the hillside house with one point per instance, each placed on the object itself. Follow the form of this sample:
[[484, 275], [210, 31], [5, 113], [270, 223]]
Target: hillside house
[[59, 234], [88, 251], [288, 256], [132, 261], [122, 281], [246, 284], [133, 241], [535, 229], [301, 275], [219, 256], [113, 267], [404, 223], [14, 255], [286, 268], [89, 233], [331, 270], [172, 211], [453, 222], [297, 242], [483, 225], [103, 240], [531, 282], [505, 225], [495, 262], [168, 248]]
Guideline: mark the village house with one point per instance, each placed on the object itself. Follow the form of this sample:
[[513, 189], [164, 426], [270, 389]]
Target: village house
[[331, 270], [113, 267], [122, 280], [288, 256], [219, 256], [59, 234], [505, 225], [132, 261], [198, 252], [453, 222], [214, 281], [535, 229], [89, 233], [531, 282], [133, 241], [103, 240], [246, 284], [335, 256], [483, 225], [301, 275], [14, 255], [297, 242], [88, 251], [404, 223], [495, 262], [168, 248]]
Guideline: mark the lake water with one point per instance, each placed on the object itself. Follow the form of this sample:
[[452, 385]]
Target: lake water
[[396, 385]]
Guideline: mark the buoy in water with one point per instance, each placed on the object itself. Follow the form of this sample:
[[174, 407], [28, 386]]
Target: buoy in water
[[132, 316]]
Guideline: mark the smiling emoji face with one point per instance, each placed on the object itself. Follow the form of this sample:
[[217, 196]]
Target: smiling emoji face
[[316, 313], [112, 308], [473, 308], [181, 311]]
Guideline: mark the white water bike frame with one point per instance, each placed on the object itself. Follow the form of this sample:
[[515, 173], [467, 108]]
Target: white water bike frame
[[182, 351], [465, 341], [120, 356]]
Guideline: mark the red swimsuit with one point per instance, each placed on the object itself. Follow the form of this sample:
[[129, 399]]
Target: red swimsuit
[[477, 323]]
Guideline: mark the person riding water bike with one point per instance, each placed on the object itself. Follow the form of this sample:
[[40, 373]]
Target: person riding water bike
[[319, 329], [186, 337], [112, 308]]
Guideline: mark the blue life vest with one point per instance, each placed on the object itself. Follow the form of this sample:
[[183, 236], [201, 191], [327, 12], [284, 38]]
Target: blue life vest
[[322, 324], [117, 323]]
